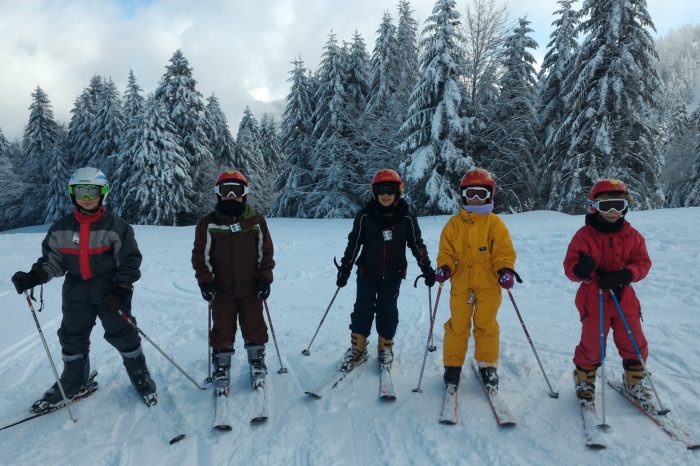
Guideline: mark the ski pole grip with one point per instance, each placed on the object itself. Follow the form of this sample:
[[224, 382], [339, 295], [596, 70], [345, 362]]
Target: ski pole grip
[[415, 282]]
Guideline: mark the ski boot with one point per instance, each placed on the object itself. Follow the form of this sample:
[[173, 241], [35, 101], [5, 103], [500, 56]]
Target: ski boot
[[489, 377], [451, 375], [222, 367], [74, 378], [135, 365], [356, 353], [585, 384], [634, 383], [258, 369], [385, 352]]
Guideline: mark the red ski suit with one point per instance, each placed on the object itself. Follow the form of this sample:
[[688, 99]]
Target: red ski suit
[[611, 251]]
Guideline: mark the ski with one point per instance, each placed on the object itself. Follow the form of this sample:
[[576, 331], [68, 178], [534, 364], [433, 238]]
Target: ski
[[592, 434], [386, 386], [324, 389], [259, 404], [449, 413], [90, 388], [672, 428], [168, 426], [222, 422], [500, 409]]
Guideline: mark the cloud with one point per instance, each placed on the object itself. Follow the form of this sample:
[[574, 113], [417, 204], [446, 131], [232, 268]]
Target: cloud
[[240, 50]]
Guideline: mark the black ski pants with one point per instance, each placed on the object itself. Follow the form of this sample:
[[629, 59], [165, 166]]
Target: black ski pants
[[376, 296], [82, 305]]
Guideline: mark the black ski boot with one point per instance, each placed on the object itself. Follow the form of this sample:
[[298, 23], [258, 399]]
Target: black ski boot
[[452, 374], [76, 370], [135, 364], [489, 377], [222, 367], [258, 369]]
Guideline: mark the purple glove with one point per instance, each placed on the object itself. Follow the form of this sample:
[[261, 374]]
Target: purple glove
[[506, 278], [442, 274]]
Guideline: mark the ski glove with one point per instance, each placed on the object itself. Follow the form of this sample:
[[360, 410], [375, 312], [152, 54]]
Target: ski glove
[[119, 298], [263, 290], [208, 291], [429, 276], [343, 275], [614, 280], [506, 278], [24, 281], [584, 266], [443, 273]]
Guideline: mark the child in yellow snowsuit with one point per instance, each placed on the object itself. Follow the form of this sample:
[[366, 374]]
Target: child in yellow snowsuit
[[476, 251]]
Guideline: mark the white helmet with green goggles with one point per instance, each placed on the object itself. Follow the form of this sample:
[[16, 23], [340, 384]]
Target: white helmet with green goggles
[[88, 183]]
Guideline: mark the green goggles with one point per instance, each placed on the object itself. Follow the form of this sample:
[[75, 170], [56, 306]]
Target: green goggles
[[87, 191]]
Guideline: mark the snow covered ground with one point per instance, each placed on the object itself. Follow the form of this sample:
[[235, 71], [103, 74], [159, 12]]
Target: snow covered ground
[[352, 426]]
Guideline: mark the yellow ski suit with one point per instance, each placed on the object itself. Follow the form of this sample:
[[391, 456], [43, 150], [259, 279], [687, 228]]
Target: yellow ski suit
[[474, 246]]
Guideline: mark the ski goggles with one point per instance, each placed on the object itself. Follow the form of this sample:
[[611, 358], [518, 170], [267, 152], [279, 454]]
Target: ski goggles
[[388, 188], [476, 192], [607, 205], [87, 191], [227, 190]]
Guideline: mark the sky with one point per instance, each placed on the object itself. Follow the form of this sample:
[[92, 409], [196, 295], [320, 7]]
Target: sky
[[239, 50]]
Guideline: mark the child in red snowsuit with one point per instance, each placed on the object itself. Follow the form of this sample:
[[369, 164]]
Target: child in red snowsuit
[[607, 255]]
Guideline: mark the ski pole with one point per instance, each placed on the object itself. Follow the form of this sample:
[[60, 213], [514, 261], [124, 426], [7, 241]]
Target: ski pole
[[306, 352], [431, 346], [209, 355], [430, 336], [283, 370], [603, 426], [48, 354], [552, 393], [662, 411], [128, 318]]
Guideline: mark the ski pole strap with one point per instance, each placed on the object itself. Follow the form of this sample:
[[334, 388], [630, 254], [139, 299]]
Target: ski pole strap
[[41, 297], [415, 282]]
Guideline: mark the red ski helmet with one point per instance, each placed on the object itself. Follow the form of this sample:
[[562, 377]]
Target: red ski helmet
[[231, 176], [478, 177], [608, 185], [387, 175]]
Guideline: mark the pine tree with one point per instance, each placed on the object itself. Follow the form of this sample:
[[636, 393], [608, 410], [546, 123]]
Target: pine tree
[[436, 122], [356, 76], [106, 129], [514, 126], [156, 170], [11, 186], [80, 138], [272, 161], [407, 58], [680, 153], [297, 144], [131, 111], [384, 74], [610, 94], [220, 139], [690, 192], [186, 110], [57, 199], [550, 97], [39, 138]]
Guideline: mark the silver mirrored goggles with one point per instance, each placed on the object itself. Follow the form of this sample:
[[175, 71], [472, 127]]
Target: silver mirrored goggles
[[227, 190], [476, 192], [607, 205]]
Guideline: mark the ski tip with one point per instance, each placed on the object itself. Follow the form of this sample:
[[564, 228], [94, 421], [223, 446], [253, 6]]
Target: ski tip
[[507, 424], [258, 420], [596, 446], [695, 446], [448, 422], [223, 428], [313, 396], [388, 398], [417, 390], [177, 439]]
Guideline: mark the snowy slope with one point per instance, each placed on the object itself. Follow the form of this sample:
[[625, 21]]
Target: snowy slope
[[352, 426]]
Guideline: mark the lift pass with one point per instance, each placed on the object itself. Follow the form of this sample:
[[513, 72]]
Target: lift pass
[[235, 228], [76, 237], [387, 235]]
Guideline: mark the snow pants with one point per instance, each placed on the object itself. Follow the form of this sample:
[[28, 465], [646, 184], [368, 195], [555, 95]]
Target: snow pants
[[482, 314], [587, 354], [82, 305], [376, 296], [226, 310]]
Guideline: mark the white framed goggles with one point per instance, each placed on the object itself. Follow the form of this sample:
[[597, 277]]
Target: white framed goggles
[[226, 190], [476, 192], [87, 191], [607, 205]]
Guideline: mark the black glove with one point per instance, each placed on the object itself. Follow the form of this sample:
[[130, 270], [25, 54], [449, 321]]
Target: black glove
[[614, 280], [24, 281], [208, 291], [263, 290], [429, 276], [343, 275], [584, 266], [119, 298]]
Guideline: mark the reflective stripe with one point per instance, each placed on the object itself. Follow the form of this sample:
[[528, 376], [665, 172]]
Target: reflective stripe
[[207, 248], [260, 245]]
